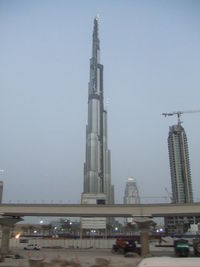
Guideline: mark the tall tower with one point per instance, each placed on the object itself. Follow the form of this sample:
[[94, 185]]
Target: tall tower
[[131, 194], [179, 165], [97, 170]]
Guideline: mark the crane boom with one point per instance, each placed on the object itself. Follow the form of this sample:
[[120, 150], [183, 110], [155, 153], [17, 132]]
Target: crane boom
[[179, 113]]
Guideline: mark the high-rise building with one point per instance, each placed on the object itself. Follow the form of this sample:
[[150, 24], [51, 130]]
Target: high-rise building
[[179, 165], [97, 169], [180, 178], [131, 194]]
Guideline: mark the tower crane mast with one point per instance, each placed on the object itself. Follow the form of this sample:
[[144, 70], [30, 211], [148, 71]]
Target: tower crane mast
[[179, 113]]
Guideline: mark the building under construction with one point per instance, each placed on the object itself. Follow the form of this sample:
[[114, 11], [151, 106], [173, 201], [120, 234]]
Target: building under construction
[[181, 181], [179, 165]]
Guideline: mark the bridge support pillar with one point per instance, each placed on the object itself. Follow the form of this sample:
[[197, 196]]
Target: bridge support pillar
[[144, 224], [5, 240], [7, 223], [144, 239]]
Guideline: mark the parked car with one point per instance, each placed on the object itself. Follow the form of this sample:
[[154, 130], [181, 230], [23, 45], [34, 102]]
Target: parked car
[[32, 247]]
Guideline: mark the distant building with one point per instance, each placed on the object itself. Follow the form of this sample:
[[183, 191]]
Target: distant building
[[180, 178], [99, 199], [179, 165], [180, 224], [1, 191], [131, 194], [93, 222]]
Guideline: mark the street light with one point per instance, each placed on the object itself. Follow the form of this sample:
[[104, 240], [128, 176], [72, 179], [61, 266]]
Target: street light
[[17, 236]]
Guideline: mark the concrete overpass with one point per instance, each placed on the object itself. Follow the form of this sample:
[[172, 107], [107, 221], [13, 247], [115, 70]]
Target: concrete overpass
[[12, 213], [118, 210]]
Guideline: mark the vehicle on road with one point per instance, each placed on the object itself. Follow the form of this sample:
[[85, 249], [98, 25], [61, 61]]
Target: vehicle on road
[[181, 247], [125, 245], [32, 247]]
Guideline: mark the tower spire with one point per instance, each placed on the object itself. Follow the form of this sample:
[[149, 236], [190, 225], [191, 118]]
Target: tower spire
[[95, 42]]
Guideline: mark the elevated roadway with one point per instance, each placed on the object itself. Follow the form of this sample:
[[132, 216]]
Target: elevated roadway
[[74, 210]]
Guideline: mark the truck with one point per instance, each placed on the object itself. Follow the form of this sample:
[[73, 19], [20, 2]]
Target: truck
[[181, 247], [125, 245]]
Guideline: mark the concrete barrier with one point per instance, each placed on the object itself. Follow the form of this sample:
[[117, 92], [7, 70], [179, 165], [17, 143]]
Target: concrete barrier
[[65, 243]]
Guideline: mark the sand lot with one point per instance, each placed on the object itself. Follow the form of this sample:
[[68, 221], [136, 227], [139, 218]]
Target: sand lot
[[86, 258]]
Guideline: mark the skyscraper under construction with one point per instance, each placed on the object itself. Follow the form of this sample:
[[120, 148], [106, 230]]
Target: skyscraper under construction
[[180, 176], [97, 169], [179, 165]]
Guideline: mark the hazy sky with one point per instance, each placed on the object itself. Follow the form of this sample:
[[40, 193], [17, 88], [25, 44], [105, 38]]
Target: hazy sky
[[151, 56]]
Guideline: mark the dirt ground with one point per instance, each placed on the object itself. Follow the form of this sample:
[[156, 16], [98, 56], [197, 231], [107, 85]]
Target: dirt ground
[[78, 258]]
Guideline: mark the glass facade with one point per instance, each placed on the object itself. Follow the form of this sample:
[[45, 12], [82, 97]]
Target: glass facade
[[179, 165]]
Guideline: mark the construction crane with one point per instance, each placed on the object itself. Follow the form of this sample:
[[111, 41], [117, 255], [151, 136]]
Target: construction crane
[[179, 113]]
